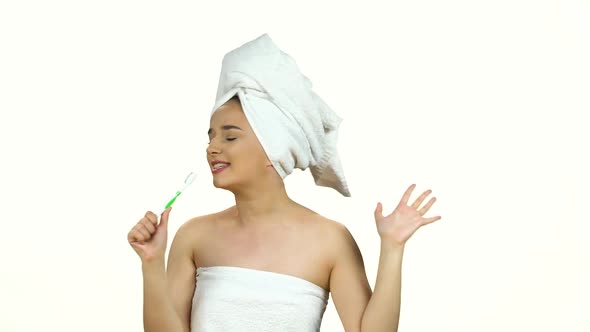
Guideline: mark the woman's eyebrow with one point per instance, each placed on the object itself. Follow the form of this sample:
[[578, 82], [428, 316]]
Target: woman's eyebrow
[[224, 127]]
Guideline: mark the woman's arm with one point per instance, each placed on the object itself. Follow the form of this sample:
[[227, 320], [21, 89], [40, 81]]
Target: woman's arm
[[382, 312], [359, 308], [158, 312]]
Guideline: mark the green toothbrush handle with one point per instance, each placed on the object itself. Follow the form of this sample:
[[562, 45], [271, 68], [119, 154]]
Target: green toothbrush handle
[[172, 200]]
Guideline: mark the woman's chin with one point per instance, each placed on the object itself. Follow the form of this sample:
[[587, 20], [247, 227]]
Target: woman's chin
[[221, 183], [218, 183]]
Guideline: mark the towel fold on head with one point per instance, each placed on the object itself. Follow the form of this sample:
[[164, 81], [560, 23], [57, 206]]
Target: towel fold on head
[[295, 127]]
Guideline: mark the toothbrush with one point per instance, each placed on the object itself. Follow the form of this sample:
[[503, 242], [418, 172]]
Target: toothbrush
[[189, 179]]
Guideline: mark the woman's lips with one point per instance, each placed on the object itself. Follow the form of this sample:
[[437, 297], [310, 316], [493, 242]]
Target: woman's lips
[[215, 171]]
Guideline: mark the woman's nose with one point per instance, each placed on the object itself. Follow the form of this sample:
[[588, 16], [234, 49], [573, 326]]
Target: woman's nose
[[212, 148]]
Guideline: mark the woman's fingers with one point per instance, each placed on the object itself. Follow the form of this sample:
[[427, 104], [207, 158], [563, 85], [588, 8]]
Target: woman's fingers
[[146, 226], [430, 220], [141, 233], [149, 225], [406, 196], [426, 207], [147, 238], [421, 199], [151, 217]]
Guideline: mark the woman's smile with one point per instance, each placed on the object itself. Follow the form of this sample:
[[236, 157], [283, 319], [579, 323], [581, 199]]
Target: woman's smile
[[218, 170]]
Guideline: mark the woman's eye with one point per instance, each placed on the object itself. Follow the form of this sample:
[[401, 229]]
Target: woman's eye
[[229, 139]]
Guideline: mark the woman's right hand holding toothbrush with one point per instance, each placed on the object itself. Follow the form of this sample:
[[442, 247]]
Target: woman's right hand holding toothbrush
[[148, 238]]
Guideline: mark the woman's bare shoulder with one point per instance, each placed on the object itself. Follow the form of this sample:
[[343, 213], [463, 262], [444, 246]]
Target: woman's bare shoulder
[[334, 230], [320, 219], [199, 230], [332, 236], [205, 221]]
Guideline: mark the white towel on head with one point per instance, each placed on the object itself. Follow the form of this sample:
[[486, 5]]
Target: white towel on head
[[295, 127]]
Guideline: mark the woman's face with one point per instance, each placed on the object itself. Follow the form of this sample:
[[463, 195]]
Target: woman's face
[[232, 140]]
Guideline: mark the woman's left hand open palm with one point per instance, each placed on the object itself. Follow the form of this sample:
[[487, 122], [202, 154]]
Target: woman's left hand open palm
[[399, 226]]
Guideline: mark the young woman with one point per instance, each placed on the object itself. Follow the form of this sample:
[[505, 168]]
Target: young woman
[[264, 244], [268, 263]]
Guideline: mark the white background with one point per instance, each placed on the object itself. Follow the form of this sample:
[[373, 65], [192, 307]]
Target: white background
[[105, 107]]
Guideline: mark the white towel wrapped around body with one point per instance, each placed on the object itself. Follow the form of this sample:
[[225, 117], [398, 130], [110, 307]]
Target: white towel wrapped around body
[[238, 299], [295, 127]]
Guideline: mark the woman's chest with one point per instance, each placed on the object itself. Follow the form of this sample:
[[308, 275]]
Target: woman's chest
[[292, 250]]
